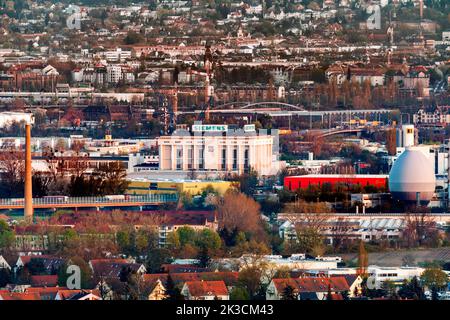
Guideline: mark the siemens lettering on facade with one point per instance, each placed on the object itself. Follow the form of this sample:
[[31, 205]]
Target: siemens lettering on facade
[[210, 128]]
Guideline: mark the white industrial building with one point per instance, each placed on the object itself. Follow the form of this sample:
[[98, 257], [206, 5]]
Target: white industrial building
[[378, 275], [215, 148], [365, 229], [438, 161]]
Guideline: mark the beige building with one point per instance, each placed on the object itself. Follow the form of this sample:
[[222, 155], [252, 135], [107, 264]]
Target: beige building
[[213, 148]]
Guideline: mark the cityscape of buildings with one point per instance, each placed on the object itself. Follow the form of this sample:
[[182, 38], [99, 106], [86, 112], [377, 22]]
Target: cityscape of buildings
[[224, 150]]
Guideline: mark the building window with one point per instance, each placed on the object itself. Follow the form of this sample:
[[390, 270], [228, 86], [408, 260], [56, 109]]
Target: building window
[[179, 157], [190, 159], [246, 160], [201, 162], [224, 159], [235, 158]]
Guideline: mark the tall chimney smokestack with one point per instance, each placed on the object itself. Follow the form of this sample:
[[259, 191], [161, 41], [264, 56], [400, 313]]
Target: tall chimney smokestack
[[28, 210]]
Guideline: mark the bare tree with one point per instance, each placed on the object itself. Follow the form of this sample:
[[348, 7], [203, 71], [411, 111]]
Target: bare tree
[[420, 227], [12, 167], [236, 211]]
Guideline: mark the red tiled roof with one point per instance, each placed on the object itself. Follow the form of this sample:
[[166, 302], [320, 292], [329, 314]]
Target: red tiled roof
[[229, 278], [44, 281], [100, 261], [20, 296], [207, 288], [312, 284], [70, 294], [48, 293], [41, 290]]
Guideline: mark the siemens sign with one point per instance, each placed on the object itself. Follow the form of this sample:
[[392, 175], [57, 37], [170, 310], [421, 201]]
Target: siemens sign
[[209, 127]]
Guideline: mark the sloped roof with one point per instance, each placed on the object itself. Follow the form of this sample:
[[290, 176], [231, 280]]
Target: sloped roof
[[76, 294], [50, 263], [229, 278], [207, 288], [19, 296], [112, 267], [44, 281], [312, 284]]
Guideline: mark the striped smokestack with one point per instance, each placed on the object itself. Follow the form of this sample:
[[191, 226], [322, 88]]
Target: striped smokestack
[[28, 210]]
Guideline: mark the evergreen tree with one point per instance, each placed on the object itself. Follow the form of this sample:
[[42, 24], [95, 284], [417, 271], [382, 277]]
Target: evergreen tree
[[289, 293], [329, 293], [203, 258], [5, 277], [172, 292]]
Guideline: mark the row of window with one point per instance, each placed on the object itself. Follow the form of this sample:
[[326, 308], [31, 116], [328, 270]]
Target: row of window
[[201, 154]]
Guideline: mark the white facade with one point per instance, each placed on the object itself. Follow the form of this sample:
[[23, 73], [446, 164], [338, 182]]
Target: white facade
[[406, 136], [378, 275], [117, 55], [4, 264], [8, 118], [439, 116], [217, 151], [113, 73]]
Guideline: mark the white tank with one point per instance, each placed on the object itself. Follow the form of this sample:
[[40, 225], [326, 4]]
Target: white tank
[[412, 177]]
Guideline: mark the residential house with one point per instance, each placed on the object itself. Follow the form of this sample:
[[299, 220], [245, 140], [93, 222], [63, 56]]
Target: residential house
[[158, 282], [4, 264], [6, 295], [78, 295], [354, 282], [307, 288], [196, 220], [44, 280], [205, 290], [374, 76], [112, 268], [45, 293], [437, 116], [418, 78], [336, 73], [50, 264], [157, 291]]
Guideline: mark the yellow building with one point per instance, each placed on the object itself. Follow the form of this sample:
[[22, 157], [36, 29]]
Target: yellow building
[[193, 187]]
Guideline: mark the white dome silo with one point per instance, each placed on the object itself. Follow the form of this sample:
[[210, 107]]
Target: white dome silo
[[412, 176]]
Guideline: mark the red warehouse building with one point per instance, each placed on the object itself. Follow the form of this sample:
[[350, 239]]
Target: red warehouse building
[[302, 182]]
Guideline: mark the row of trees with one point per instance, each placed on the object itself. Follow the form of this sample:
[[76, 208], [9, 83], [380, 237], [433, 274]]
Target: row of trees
[[65, 176]]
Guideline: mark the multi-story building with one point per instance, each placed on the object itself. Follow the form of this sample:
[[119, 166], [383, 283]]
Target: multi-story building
[[113, 73], [214, 148], [378, 275], [197, 220], [439, 115], [117, 55]]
